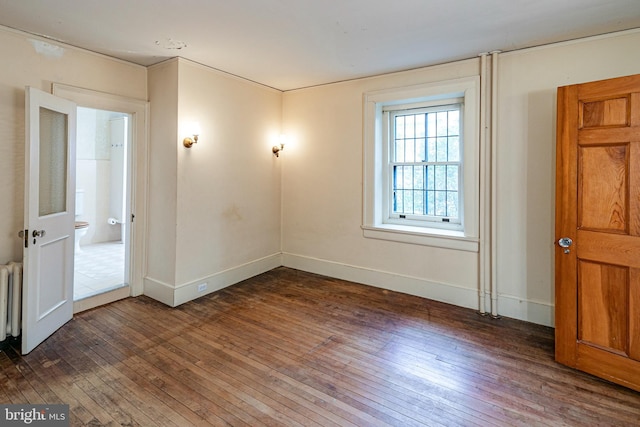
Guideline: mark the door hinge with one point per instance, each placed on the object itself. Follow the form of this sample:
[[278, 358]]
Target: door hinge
[[132, 217]]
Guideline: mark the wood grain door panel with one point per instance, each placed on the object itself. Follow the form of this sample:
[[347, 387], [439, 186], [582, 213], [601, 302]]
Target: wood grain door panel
[[598, 207]]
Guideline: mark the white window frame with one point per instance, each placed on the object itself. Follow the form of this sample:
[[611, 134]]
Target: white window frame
[[376, 209], [389, 113]]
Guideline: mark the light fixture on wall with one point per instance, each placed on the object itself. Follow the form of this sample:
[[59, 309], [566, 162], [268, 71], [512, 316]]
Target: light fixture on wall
[[194, 129], [188, 141], [276, 149]]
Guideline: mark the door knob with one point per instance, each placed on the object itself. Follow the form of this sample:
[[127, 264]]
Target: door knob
[[565, 242], [38, 233]]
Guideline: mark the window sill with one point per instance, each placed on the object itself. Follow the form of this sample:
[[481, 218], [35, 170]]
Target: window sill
[[447, 239]]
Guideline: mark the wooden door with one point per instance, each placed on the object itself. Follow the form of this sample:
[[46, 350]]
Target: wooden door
[[598, 208]]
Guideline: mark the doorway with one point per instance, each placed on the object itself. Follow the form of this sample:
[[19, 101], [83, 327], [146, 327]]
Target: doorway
[[102, 243], [136, 111]]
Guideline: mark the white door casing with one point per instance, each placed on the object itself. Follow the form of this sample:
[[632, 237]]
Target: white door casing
[[49, 209]]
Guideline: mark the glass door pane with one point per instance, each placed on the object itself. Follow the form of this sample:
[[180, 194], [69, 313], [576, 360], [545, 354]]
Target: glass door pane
[[53, 162]]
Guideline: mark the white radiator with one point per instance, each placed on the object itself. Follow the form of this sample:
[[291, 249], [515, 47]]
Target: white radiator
[[10, 299]]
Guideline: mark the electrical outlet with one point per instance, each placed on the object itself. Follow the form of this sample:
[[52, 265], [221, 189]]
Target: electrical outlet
[[202, 287]]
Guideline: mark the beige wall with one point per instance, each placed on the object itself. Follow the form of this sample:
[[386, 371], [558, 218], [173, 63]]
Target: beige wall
[[322, 179], [322, 195], [219, 201], [31, 61], [163, 169], [526, 159]]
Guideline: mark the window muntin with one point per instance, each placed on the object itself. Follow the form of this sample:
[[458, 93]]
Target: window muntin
[[425, 165]]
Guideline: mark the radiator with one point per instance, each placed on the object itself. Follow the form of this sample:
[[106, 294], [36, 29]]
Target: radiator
[[10, 300]]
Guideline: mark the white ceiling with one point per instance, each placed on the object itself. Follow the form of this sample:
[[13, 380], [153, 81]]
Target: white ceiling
[[288, 44]]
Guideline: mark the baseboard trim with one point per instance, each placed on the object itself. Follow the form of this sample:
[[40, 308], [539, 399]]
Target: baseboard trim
[[159, 291], [537, 312], [452, 294], [174, 296]]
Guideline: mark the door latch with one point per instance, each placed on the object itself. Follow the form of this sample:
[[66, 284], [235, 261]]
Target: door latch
[[24, 234]]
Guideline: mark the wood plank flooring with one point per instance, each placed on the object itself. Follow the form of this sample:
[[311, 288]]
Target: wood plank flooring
[[289, 348]]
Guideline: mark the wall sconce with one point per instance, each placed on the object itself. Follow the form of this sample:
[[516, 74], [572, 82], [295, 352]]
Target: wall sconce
[[276, 149], [188, 142], [194, 129]]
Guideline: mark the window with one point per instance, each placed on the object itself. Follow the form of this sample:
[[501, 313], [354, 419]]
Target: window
[[421, 164], [424, 167]]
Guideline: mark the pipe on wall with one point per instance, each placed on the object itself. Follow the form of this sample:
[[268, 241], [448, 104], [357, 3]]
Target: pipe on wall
[[494, 192], [484, 259]]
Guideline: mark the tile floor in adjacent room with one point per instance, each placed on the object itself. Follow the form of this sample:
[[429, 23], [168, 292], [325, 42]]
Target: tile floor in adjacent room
[[98, 268]]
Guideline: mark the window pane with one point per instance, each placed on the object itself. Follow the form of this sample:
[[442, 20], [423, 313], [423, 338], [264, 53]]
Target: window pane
[[407, 175], [441, 203], [454, 149], [431, 180], [441, 123], [418, 178], [397, 201], [408, 201], [399, 151], [418, 202], [397, 177], [409, 150], [399, 127], [431, 203], [441, 177], [53, 162], [431, 150], [420, 126], [441, 150], [420, 150], [454, 122], [431, 124], [452, 178], [409, 126], [452, 204]]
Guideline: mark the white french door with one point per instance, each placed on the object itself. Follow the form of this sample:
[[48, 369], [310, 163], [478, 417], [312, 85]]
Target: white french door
[[48, 216]]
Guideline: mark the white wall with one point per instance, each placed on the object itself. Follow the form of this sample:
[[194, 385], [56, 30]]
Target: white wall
[[93, 174], [30, 61], [226, 205], [322, 179]]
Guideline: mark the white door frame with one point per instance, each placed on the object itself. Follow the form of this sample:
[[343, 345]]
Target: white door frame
[[139, 110]]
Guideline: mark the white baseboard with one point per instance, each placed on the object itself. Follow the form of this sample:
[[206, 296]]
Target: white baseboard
[[174, 296], [508, 306], [537, 312], [452, 294], [159, 291]]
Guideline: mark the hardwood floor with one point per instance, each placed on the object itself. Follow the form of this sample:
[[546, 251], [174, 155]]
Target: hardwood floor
[[292, 348]]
